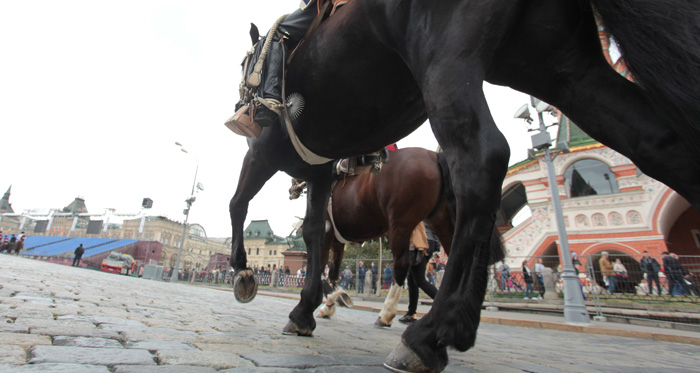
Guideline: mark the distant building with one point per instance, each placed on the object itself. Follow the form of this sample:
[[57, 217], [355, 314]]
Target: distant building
[[263, 247], [608, 205], [74, 220]]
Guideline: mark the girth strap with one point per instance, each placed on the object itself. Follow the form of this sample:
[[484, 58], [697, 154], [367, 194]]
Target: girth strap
[[330, 214]]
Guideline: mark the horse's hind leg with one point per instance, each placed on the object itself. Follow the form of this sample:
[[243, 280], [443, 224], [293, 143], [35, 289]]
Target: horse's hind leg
[[399, 237], [388, 312], [477, 155]]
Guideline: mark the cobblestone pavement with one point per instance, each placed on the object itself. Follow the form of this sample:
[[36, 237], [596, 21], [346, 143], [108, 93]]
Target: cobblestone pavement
[[64, 319]]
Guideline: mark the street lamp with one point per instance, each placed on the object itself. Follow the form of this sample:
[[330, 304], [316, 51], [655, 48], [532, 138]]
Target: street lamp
[[574, 309], [195, 185]]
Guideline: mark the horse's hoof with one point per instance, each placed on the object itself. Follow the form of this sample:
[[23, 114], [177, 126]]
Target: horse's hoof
[[345, 300], [245, 286], [293, 329], [381, 324], [403, 359]]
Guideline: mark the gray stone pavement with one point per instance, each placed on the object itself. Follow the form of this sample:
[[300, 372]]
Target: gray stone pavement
[[64, 319]]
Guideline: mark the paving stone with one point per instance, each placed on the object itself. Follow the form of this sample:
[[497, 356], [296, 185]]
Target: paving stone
[[24, 340], [267, 370], [55, 368], [83, 355], [300, 361], [162, 369], [13, 328], [240, 348], [214, 360], [157, 345], [76, 332], [131, 335], [91, 342], [10, 354], [34, 323], [105, 321]]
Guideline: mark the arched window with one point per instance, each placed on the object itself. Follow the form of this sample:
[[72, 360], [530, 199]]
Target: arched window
[[589, 177], [581, 221], [598, 220], [615, 218], [633, 217]]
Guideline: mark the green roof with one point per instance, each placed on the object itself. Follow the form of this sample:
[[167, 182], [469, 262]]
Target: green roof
[[258, 229], [570, 133], [76, 207], [277, 240]]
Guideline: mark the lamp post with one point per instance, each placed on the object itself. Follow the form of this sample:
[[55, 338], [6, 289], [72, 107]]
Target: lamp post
[[176, 269], [574, 309]]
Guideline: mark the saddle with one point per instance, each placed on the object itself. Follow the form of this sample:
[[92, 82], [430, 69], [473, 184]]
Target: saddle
[[346, 167], [364, 164]]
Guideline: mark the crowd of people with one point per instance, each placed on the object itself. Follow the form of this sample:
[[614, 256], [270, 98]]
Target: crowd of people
[[612, 275]]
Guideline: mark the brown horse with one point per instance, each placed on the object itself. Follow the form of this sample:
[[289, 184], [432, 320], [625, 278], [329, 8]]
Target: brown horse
[[411, 188]]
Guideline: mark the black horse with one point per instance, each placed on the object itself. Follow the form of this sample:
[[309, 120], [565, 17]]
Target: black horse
[[377, 69]]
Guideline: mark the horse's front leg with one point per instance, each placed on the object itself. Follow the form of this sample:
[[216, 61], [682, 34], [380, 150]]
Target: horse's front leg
[[253, 177], [301, 319], [477, 155]]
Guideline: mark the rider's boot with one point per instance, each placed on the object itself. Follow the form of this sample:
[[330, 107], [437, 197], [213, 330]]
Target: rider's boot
[[271, 86]]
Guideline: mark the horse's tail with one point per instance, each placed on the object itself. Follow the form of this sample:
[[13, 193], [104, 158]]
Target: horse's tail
[[660, 43], [496, 248]]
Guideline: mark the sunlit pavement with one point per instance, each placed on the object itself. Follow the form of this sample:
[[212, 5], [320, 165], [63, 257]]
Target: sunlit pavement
[[60, 318]]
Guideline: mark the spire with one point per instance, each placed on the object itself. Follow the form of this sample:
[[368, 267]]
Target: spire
[[5, 205], [579, 186]]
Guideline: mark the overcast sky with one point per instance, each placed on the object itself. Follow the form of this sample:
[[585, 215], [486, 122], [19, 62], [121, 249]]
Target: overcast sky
[[94, 94]]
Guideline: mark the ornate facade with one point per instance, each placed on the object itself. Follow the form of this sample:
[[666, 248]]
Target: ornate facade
[[607, 203]]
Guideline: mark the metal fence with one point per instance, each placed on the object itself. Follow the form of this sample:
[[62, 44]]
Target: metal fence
[[630, 292]]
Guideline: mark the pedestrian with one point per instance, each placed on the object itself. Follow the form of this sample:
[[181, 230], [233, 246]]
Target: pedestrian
[[418, 256], [375, 277], [387, 276], [347, 276], [575, 262], [527, 277], [504, 270], [430, 272], [439, 269], [607, 270], [674, 274], [78, 254], [361, 273], [539, 269], [650, 267], [622, 276], [20, 242]]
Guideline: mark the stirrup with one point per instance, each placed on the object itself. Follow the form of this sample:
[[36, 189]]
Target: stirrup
[[242, 123]]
